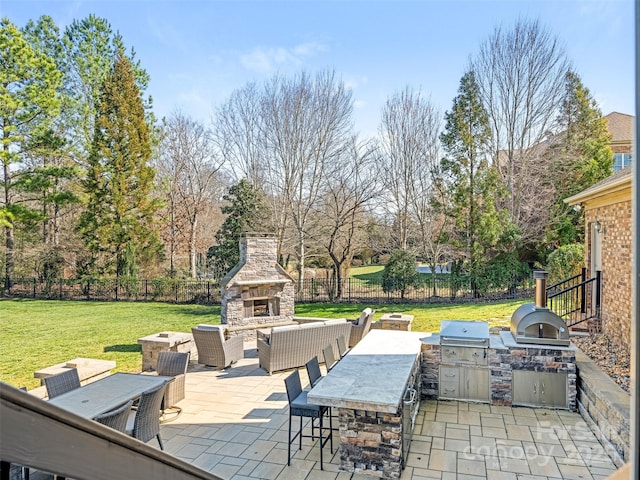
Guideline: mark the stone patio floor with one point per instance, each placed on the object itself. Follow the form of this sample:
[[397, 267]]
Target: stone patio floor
[[234, 424]]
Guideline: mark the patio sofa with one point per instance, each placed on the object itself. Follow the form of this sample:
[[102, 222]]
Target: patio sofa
[[292, 346]]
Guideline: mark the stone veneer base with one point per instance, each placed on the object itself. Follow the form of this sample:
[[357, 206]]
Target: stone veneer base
[[606, 408]]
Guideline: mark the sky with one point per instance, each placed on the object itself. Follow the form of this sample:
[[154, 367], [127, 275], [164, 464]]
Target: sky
[[198, 52]]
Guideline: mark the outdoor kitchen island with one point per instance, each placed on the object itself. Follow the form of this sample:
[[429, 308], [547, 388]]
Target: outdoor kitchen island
[[375, 390]]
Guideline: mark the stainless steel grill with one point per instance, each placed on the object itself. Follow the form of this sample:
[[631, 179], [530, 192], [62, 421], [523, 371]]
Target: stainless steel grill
[[459, 333], [535, 323]]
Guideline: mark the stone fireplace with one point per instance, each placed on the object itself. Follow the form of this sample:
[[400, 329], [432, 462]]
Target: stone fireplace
[[257, 291]]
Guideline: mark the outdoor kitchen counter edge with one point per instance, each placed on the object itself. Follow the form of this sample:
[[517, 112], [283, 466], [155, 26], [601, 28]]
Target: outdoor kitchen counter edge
[[374, 375]]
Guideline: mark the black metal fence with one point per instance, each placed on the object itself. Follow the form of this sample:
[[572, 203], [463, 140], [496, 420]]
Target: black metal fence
[[441, 289]]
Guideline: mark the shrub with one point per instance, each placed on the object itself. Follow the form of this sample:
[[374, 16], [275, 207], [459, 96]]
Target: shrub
[[565, 261]]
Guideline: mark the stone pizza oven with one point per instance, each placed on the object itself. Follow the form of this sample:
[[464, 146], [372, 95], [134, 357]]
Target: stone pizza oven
[[257, 291]]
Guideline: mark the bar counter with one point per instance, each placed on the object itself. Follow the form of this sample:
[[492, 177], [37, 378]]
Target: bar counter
[[368, 387], [373, 375]]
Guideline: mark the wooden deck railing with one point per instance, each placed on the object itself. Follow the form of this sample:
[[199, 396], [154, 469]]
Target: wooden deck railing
[[38, 435]]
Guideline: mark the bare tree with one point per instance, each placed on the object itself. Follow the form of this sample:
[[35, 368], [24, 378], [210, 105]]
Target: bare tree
[[409, 149], [307, 124], [520, 73], [190, 169], [341, 218], [239, 127], [238, 134]]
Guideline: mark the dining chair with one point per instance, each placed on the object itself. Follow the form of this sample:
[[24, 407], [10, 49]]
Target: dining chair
[[329, 357], [62, 382], [342, 346], [300, 407], [144, 422], [173, 364], [116, 418]]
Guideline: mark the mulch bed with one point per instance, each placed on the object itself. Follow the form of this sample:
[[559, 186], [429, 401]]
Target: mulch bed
[[613, 359]]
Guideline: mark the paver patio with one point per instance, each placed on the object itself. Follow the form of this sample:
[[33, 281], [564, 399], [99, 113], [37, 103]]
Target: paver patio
[[234, 424]]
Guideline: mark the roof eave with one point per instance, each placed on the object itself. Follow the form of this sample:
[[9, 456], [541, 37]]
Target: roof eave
[[606, 189]]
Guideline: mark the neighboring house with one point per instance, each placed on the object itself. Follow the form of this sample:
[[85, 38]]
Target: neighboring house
[[608, 248], [620, 127]]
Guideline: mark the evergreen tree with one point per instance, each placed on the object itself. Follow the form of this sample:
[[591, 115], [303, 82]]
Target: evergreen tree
[[400, 273], [480, 228], [29, 83], [49, 171], [581, 157], [90, 47], [246, 212], [117, 224]]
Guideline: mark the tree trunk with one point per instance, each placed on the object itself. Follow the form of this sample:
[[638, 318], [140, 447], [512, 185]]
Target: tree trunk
[[9, 240], [192, 246], [301, 254]]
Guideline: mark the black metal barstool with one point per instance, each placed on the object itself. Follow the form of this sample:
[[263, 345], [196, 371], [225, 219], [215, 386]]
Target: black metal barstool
[[300, 407]]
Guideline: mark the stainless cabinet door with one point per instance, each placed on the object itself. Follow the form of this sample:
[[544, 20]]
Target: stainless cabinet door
[[539, 389], [475, 384], [553, 390]]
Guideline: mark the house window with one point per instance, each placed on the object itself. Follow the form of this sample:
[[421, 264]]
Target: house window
[[621, 160]]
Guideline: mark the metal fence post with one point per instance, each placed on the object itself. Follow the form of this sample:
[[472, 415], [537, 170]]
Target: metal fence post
[[583, 291]]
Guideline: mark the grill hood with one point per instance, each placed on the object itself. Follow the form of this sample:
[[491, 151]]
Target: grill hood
[[535, 323]]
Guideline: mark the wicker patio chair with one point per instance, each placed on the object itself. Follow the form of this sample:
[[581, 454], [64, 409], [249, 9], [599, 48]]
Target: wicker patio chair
[[213, 349], [62, 382], [361, 328], [116, 418], [299, 407], [144, 423], [173, 364]]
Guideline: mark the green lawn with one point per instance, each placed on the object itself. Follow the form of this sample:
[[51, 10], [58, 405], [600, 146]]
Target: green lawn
[[40, 333]]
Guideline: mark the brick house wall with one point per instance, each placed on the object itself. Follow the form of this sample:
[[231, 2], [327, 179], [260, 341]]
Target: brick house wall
[[616, 267], [609, 203]]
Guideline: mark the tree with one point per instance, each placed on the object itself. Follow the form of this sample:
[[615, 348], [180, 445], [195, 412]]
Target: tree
[[409, 149], [50, 175], [29, 82], [306, 122], [119, 214], [340, 219], [474, 188], [580, 157], [400, 273], [520, 74], [90, 47], [238, 134], [245, 212], [189, 166]]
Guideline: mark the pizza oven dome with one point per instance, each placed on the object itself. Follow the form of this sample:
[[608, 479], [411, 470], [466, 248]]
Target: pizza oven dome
[[535, 323]]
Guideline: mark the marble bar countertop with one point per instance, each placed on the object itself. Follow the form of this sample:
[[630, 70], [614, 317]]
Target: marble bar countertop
[[373, 375]]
